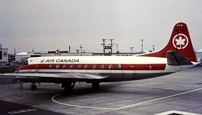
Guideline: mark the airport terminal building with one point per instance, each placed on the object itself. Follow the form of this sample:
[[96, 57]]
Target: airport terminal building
[[22, 56], [3, 55], [199, 55]]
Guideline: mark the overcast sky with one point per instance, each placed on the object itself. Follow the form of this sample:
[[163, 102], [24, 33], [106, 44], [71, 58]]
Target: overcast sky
[[57, 24]]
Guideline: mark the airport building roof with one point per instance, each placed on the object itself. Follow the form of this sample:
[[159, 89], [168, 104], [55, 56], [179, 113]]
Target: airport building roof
[[199, 50], [22, 53]]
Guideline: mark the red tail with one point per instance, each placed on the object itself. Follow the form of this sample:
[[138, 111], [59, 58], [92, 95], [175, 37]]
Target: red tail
[[179, 41]]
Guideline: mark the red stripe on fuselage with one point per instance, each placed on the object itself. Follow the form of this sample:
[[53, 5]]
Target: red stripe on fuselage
[[96, 66]]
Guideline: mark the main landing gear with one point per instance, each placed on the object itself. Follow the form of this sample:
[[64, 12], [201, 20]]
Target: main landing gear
[[68, 87], [33, 86], [95, 85]]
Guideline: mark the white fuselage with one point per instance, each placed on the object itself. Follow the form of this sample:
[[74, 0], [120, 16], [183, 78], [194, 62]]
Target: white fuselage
[[118, 68]]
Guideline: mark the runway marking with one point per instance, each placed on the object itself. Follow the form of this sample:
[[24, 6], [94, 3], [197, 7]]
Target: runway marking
[[174, 112], [89, 107], [21, 111], [127, 106], [157, 99]]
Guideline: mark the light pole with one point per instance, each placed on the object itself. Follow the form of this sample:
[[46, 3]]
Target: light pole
[[153, 47], [131, 48], [81, 48], [142, 44]]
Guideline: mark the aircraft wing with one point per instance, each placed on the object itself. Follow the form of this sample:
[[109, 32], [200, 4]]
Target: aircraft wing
[[52, 75]]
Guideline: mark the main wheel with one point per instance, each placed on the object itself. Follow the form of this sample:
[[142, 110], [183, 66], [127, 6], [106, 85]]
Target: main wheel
[[68, 87], [34, 87], [95, 85], [67, 91]]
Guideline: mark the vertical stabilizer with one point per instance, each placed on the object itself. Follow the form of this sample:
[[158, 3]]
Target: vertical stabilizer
[[180, 41]]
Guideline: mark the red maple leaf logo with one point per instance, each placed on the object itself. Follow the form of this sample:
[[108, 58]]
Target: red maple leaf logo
[[180, 41]]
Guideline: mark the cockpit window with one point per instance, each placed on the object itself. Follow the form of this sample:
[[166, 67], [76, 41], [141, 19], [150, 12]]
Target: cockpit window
[[25, 62]]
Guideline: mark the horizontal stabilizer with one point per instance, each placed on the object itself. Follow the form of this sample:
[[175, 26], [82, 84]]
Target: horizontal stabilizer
[[175, 58]]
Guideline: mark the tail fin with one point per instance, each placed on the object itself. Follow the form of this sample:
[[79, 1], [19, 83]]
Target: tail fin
[[179, 41]]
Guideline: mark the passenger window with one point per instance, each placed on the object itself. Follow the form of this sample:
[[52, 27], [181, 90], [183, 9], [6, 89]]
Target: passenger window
[[110, 66], [119, 66], [57, 66], [94, 66], [102, 66], [50, 66], [71, 66], [79, 66], [86, 66], [64, 66]]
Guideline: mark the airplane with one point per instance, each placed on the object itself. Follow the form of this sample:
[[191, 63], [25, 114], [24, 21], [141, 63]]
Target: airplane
[[178, 54]]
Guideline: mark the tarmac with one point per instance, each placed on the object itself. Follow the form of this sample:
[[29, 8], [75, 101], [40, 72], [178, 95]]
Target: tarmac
[[175, 94]]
